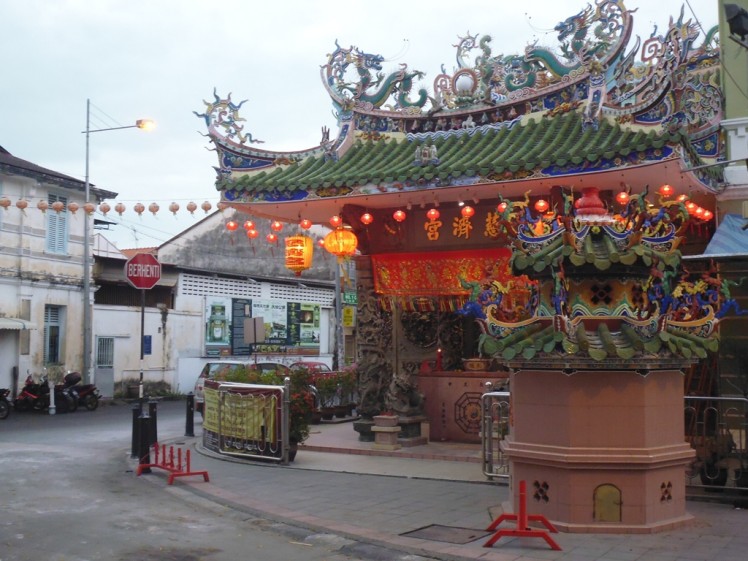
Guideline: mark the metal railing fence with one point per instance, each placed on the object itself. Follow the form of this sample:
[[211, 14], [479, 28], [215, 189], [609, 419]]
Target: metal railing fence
[[716, 427]]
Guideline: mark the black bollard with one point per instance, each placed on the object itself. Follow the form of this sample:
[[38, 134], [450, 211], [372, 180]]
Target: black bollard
[[144, 441], [153, 412], [135, 415], [189, 425]]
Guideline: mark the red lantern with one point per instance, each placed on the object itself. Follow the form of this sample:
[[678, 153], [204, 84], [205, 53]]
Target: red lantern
[[139, 208], [73, 207], [206, 206], [682, 198], [231, 226], [399, 215], [21, 204], [708, 215], [305, 224], [367, 218], [191, 207], [622, 197], [667, 190], [174, 208], [699, 212], [271, 238], [89, 207], [501, 207], [433, 214], [276, 226], [691, 207], [153, 208], [321, 243], [336, 221], [120, 208], [299, 253], [58, 206], [42, 205], [541, 205], [252, 233], [341, 242], [467, 211], [104, 208], [4, 202], [249, 225]]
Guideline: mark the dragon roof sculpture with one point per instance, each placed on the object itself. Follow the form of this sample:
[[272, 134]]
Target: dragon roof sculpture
[[664, 89]]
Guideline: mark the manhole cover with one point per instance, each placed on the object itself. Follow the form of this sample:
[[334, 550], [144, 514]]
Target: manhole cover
[[449, 534]]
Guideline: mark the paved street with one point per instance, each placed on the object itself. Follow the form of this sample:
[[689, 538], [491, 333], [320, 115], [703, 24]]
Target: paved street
[[69, 493]]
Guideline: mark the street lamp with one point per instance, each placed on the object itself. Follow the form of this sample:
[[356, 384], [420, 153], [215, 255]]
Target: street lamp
[[145, 124]]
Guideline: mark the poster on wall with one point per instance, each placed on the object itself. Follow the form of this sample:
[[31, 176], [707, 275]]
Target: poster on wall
[[241, 309], [303, 325], [290, 327], [218, 326]]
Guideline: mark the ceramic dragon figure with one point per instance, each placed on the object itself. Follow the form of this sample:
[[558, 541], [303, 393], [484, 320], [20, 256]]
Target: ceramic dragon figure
[[372, 88]]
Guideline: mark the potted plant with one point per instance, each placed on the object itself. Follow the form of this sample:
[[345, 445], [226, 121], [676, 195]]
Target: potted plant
[[348, 381], [301, 409], [327, 393]]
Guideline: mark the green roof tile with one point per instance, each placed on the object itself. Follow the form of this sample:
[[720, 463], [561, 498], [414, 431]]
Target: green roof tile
[[539, 143]]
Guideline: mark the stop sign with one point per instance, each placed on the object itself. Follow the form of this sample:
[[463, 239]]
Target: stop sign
[[143, 270]]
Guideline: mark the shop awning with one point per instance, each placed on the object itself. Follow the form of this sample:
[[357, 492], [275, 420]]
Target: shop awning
[[730, 239], [16, 324]]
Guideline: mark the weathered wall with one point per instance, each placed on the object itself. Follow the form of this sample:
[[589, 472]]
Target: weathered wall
[[209, 246], [31, 277]]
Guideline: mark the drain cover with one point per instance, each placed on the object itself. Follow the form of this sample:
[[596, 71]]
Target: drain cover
[[449, 534]]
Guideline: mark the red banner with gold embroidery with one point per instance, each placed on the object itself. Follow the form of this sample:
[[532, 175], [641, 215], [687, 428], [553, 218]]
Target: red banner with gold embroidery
[[439, 273]]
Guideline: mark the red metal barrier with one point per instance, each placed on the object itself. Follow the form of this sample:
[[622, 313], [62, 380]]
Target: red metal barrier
[[176, 468], [522, 530]]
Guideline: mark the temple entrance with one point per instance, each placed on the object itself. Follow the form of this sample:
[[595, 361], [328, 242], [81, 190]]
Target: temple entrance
[[607, 504]]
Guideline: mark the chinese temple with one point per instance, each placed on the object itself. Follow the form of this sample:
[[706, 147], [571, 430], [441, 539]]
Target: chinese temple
[[523, 218]]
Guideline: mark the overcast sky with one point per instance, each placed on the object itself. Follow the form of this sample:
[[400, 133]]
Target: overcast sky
[[160, 59]]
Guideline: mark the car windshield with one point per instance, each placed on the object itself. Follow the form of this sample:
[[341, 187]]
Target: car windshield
[[311, 366], [269, 367]]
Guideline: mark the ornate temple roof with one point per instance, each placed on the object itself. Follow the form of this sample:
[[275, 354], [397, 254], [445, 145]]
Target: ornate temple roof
[[479, 155], [596, 104]]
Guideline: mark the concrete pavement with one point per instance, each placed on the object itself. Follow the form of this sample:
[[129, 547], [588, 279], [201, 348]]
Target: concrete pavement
[[340, 486]]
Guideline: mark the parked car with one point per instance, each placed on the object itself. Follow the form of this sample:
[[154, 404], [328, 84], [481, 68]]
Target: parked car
[[313, 367], [213, 368]]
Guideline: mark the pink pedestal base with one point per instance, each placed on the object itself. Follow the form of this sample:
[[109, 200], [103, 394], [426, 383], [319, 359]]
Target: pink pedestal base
[[601, 451]]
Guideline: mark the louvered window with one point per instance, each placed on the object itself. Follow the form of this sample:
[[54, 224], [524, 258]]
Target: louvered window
[[57, 227], [52, 334]]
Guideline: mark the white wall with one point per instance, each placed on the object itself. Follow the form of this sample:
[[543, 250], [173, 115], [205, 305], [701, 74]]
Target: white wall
[[178, 344]]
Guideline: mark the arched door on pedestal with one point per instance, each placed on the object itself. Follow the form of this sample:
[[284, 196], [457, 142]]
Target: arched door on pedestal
[[607, 501]]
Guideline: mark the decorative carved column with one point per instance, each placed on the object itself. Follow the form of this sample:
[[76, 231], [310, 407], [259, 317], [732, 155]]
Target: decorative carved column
[[374, 344]]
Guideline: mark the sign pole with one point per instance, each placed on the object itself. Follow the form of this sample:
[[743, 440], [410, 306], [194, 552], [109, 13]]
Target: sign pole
[[142, 350], [143, 271]]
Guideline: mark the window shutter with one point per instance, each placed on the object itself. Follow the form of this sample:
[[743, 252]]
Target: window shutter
[[57, 226]]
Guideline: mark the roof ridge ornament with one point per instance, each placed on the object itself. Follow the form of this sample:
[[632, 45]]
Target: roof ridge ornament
[[222, 118]]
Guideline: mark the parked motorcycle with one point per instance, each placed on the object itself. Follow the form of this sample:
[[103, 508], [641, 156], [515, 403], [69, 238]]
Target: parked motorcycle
[[85, 394], [4, 403], [35, 395], [30, 396]]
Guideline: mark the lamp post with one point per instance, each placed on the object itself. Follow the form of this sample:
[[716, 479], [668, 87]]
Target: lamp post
[[145, 124]]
